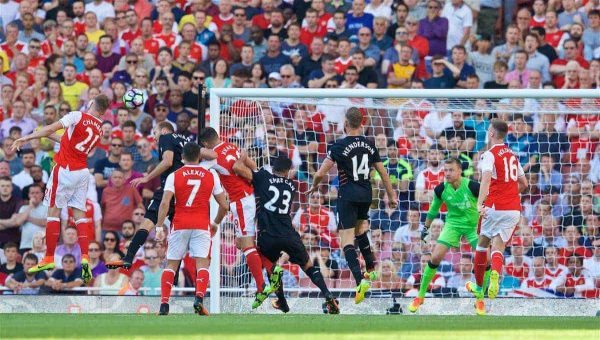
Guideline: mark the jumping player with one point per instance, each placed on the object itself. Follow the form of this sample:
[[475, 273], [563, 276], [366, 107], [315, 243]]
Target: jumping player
[[499, 205], [460, 195], [192, 186], [241, 201], [170, 146], [274, 194], [68, 183], [355, 155]]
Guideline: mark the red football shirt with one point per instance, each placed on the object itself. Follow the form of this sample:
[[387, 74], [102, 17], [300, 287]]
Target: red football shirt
[[192, 186], [236, 187], [506, 170], [82, 134]]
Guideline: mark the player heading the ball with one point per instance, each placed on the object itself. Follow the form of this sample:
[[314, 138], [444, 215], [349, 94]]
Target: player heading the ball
[[355, 155], [68, 182]]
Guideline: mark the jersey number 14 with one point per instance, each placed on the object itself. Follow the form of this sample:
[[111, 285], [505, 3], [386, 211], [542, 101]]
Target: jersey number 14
[[362, 168]]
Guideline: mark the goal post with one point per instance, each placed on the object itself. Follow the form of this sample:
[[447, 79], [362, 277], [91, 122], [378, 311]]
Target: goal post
[[405, 125]]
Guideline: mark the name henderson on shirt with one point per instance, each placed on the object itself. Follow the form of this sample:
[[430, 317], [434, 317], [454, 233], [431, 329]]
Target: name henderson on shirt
[[355, 145]]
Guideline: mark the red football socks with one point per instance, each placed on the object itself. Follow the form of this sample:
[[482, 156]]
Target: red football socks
[[201, 281], [480, 266], [166, 283], [497, 261], [52, 234], [255, 265]]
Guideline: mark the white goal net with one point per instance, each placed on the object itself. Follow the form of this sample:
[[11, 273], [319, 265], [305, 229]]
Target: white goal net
[[554, 133]]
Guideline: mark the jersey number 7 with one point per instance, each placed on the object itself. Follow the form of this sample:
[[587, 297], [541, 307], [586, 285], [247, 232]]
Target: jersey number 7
[[195, 183]]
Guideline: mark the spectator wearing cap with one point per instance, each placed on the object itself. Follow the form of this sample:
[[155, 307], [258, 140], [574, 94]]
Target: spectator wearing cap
[[274, 80]]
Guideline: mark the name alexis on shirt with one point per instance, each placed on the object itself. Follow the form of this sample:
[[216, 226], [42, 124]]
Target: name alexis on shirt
[[193, 172]]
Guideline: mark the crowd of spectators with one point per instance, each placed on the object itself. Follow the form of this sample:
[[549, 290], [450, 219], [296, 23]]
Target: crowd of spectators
[[55, 55]]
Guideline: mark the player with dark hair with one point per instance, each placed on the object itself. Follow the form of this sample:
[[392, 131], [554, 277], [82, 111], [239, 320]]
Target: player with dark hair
[[242, 202], [170, 148], [355, 155], [499, 205], [460, 196], [68, 182], [276, 234], [192, 186]]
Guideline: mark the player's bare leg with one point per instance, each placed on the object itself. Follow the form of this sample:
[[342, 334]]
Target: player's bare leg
[[81, 223], [317, 279], [52, 235], [427, 274], [202, 278], [166, 283], [253, 260], [136, 243]]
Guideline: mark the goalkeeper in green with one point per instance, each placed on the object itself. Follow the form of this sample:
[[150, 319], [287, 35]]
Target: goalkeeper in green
[[460, 195]]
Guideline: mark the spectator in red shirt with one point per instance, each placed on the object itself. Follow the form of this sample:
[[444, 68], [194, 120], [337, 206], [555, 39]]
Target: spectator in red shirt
[[230, 47], [312, 28], [539, 278], [118, 202], [225, 15], [559, 66], [264, 19], [419, 43], [572, 236], [539, 14], [553, 33]]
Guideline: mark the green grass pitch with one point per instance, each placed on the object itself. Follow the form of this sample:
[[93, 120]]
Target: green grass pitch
[[228, 326]]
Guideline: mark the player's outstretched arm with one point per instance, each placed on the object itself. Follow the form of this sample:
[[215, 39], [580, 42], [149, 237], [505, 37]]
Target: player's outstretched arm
[[320, 174], [43, 132], [161, 167], [385, 178]]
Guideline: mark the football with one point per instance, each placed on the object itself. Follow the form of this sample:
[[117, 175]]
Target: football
[[133, 98]]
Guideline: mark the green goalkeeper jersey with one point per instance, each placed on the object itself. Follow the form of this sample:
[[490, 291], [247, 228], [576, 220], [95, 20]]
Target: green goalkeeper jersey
[[461, 203]]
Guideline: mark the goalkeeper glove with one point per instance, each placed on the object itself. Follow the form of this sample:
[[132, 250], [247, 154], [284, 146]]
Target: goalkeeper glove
[[425, 235]]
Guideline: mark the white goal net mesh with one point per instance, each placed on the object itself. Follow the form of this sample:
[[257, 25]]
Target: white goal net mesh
[[556, 140]]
